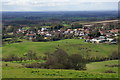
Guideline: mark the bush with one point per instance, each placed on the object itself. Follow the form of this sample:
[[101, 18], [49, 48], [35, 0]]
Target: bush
[[60, 60], [109, 71], [114, 55], [31, 55], [36, 65], [33, 65], [11, 57], [57, 66], [59, 56], [77, 62]]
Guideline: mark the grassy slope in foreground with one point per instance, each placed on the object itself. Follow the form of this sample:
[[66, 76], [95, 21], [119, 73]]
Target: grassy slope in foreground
[[94, 70], [71, 46], [100, 67]]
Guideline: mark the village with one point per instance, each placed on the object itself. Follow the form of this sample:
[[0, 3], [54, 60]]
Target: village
[[60, 40], [89, 32]]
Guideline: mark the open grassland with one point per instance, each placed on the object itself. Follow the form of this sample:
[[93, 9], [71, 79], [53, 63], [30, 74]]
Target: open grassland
[[71, 46], [15, 69], [96, 22], [101, 67], [94, 70]]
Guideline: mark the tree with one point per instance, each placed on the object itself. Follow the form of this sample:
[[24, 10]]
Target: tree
[[39, 38], [94, 34], [76, 25], [77, 62], [58, 59], [114, 55]]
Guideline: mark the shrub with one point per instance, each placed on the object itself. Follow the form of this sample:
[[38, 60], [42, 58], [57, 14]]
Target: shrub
[[77, 62], [109, 71], [114, 55], [59, 56], [33, 65], [36, 65], [31, 55], [60, 60], [57, 66], [11, 57]]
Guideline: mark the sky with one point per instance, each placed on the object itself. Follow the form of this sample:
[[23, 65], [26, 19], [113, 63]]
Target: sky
[[59, 5]]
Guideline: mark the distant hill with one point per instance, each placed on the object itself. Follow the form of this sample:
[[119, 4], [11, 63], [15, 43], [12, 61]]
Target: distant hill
[[61, 15]]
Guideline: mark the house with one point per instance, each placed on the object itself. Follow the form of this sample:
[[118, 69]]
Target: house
[[31, 35], [114, 30], [20, 31], [48, 35], [86, 37], [110, 39], [66, 32], [69, 29], [43, 29], [102, 37], [96, 40], [102, 32], [88, 25], [81, 34], [108, 34], [114, 41]]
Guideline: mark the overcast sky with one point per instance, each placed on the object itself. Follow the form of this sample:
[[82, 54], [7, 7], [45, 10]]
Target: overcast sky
[[59, 5]]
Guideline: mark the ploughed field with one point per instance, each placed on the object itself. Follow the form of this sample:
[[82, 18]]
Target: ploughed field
[[104, 69]]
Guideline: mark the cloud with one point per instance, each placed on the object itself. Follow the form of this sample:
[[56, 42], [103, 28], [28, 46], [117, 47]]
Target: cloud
[[29, 2], [36, 2], [55, 4]]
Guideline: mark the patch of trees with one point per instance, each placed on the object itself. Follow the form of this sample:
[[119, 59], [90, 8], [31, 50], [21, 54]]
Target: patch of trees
[[55, 37], [58, 27], [61, 60], [76, 25], [11, 57], [38, 18], [109, 71], [39, 38], [94, 34], [114, 55]]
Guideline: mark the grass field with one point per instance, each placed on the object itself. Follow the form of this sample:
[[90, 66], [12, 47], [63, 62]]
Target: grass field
[[94, 70], [100, 67], [71, 46], [96, 22]]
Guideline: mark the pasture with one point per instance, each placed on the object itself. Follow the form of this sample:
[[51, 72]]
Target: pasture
[[71, 46], [94, 70]]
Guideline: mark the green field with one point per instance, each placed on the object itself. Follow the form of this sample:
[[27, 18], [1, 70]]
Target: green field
[[71, 46], [99, 67], [94, 70]]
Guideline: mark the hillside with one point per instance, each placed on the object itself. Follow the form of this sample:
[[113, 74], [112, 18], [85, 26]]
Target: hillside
[[94, 70], [71, 46]]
